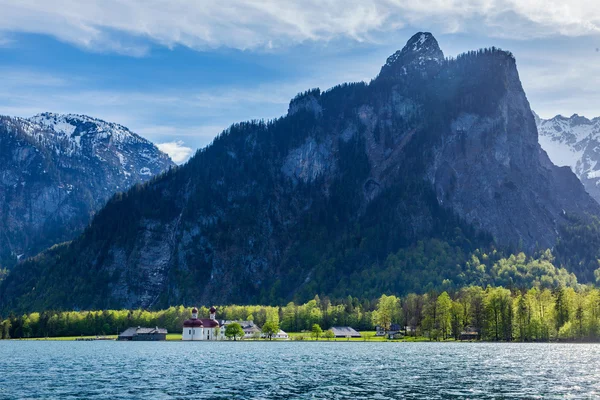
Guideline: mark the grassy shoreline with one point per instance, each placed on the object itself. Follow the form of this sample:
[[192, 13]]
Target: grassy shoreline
[[367, 336]]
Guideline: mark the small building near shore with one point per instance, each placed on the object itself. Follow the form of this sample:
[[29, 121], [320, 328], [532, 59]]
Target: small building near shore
[[281, 335], [469, 333], [394, 332], [344, 332], [140, 334], [251, 331]]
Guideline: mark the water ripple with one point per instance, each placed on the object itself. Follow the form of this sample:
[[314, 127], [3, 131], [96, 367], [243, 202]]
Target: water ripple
[[297, 370]]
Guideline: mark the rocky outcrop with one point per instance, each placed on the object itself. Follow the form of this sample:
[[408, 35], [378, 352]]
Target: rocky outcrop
[[491, 170]]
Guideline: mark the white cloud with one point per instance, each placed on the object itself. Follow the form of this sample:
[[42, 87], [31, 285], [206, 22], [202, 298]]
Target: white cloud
[[123, 25], [176, 150]]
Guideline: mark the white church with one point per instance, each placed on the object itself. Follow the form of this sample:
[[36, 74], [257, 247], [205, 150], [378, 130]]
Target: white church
[[203, 328]]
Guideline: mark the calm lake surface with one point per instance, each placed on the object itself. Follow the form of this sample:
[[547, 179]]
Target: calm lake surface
[[296, 370]]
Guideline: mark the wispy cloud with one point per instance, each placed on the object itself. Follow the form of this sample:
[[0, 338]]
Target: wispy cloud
[[178, 152], [22, 78], [122, 25]]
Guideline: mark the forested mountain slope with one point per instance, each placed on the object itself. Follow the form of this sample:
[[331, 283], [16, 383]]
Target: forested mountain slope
[[390, 186]]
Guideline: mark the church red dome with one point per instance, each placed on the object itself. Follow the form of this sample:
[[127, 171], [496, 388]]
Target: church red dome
[[210, 323], [192, 323], [194, 310], [213, 310]]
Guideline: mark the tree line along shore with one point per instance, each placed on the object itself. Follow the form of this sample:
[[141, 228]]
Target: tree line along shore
[[490, 314]]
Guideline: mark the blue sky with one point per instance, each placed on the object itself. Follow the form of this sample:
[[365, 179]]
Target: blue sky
[[178, 72]]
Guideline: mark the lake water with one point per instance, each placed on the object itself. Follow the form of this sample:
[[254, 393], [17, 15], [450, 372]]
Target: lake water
[[296, 370]]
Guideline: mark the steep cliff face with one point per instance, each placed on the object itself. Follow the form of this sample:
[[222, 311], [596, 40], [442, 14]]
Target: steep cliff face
[[431, 148], [574, 142], [57, 170], [491, 170]]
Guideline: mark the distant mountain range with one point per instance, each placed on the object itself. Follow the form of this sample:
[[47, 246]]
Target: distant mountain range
[[363, 189], [57, 170], [574, 142]]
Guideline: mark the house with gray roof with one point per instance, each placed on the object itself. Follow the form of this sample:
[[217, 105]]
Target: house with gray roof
[[143, 334], [345, 332], [251, 330]]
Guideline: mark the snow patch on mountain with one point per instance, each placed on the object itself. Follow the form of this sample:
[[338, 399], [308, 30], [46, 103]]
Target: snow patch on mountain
[[71, 126], [57, 170], [574, 142]]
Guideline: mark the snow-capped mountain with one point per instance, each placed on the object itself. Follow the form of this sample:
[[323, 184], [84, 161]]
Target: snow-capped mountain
[[56, 170], [574, 142]]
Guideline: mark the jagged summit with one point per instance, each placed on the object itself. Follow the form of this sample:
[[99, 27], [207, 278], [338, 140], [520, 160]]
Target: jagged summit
[[574, 119], [422, 48]]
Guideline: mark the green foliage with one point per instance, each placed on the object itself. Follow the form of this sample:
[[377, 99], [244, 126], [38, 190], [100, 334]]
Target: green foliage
[[328, 334], [270, 329], [316, 331], [443, 316], [499, 308], [579, 246], [234, 331], [387, 312]]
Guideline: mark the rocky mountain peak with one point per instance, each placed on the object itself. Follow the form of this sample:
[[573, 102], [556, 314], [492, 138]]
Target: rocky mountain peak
[[421, 48], [577, 119], [75, 126], [423, 43]]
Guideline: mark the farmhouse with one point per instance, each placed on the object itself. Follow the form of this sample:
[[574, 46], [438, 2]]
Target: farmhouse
[[281, 335], [143, 334], [249, 327], [469, 333], [344, 332], [394, 330]]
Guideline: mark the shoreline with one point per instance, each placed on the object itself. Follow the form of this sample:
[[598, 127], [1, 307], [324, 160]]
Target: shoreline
[[177, 339]]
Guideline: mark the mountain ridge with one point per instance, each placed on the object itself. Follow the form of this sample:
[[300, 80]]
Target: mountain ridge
[[57, 170], [348, 187]]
